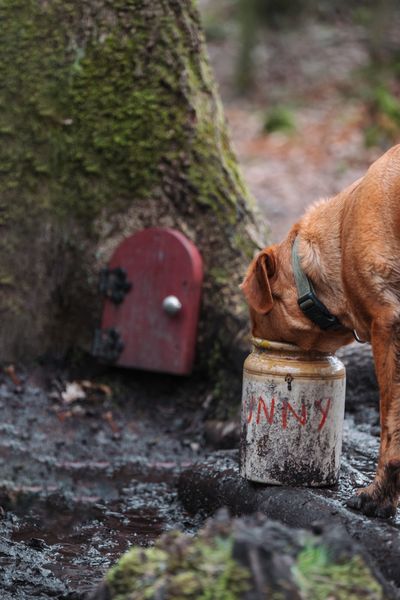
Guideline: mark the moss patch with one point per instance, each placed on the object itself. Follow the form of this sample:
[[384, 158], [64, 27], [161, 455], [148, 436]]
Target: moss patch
[[82, 129], [271, 561], [99, 103], [279, 118], [180, 568], [320, 578]]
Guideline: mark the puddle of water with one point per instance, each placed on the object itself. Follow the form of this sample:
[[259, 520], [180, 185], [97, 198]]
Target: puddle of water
[[83, 539]]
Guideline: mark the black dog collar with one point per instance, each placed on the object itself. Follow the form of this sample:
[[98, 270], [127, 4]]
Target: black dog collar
[[313, 308]]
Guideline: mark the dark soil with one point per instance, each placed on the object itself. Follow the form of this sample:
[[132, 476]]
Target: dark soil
[[81, 482]]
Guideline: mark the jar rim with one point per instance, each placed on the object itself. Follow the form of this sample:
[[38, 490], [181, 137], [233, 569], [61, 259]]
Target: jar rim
[[270, 345], [284, 347]]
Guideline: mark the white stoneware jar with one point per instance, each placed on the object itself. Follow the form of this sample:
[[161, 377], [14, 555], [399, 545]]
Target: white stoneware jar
[[292, 415]]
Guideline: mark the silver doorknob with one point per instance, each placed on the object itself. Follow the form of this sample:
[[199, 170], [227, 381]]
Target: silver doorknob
[[172, 305]]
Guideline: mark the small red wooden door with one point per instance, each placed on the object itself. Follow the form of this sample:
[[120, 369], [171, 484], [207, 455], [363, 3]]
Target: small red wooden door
[[153, 287]]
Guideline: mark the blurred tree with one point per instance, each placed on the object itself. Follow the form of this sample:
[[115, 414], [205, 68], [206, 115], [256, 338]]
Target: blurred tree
[[381, 45], [251, 15], [382, 89], [248, 18], [110, 122]]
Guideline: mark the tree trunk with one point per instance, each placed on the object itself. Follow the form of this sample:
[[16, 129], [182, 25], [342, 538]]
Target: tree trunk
[[110, 123]]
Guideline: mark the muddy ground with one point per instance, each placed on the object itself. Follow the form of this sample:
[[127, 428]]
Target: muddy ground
[[82, 480]]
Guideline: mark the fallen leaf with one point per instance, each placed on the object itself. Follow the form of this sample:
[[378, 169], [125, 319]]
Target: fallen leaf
[[107, 391], [108, 416], [73, 391], [96, 387], [63, 415], [10, 371]]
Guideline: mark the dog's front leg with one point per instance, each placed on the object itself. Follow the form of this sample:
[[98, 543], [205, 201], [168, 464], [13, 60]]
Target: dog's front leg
[[381, 497]]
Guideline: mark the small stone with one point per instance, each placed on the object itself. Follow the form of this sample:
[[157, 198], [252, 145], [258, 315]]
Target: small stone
[[37, 543]]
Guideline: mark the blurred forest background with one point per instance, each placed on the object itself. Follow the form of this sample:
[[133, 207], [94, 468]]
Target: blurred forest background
[[311, 90]]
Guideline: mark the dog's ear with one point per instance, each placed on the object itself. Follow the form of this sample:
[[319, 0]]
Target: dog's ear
[[256, 286]]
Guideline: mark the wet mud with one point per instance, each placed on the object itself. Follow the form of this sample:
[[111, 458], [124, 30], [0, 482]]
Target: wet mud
[[82, 482]]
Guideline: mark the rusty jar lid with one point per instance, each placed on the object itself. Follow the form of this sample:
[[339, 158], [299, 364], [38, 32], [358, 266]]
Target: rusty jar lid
[[269, 355], [286, 348]]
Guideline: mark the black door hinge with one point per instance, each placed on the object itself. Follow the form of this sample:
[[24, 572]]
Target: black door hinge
[[107, 344], [114, 284]]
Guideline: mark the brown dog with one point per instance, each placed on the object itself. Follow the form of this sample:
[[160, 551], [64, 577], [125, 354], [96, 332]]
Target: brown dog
[[347, 249]]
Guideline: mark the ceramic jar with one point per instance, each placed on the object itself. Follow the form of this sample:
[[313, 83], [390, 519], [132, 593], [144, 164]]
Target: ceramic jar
[[292, 415]]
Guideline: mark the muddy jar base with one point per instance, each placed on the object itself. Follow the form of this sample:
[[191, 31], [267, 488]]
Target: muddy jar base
[[292, 416], [293, 478]]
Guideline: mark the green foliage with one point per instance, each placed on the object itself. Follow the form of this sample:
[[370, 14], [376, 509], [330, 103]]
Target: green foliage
[[384, 110], [363, 15], [216, 29], [279, 118], [181, 568], [320, 578], [275, 11], [387, 104], [380, 78]]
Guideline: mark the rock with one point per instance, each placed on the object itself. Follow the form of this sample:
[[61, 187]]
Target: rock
[[37, 543], [215, 482], [251, 558]]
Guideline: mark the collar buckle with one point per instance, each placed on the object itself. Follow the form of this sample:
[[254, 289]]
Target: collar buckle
[[315, 310]]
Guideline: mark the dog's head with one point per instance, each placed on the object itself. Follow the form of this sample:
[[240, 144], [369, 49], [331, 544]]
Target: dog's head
[[271, 293]]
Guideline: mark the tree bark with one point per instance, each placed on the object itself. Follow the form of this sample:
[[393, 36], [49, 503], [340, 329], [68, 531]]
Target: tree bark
[[110, 122]]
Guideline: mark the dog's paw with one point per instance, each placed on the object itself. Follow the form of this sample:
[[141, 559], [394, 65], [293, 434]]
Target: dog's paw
[[381, 497], [365, 503]]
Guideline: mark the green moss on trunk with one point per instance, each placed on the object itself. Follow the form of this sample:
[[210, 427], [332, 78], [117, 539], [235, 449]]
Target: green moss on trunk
[[95, 103], [109, 123]]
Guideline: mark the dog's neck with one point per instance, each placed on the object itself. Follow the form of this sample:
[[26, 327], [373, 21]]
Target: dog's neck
[[320, 252], [320, 245]]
